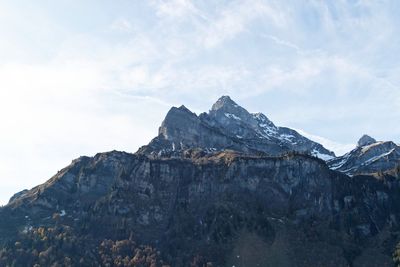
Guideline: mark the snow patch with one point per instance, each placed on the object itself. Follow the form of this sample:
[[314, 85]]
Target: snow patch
[[320, 155], [368, 147], [338, 148], [267, 130], [371, 160], [338, 165], [232, 116], [287, 137]]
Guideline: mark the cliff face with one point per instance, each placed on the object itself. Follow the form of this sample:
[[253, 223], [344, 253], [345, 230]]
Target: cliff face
[[216, 205], [225, 188]]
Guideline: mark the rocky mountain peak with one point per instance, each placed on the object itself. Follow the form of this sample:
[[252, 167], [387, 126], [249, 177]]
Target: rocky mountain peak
[[366, 140], [224, 102], [206, 191], [369, 157], [176, 118], [227, 111], [228, 126], [183, 108]]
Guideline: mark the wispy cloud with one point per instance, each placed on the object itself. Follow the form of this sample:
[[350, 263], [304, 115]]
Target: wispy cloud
[[236, 18], [338, 148], [173, 8], [282, 42], [122, 25]]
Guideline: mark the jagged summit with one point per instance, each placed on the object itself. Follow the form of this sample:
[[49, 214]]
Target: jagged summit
[[226, 111], [224, 102], [233, 117], [228, 126], [366, 140], [183, 108], [200, 201], [369, 157]]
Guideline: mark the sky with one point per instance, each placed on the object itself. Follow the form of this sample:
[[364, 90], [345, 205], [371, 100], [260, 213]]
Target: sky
[[81, 77]]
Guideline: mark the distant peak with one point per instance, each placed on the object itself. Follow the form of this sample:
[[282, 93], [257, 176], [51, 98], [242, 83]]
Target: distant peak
[[224, 101], [183, 108], [366, 140], [179, 110], [176, 118], [225, 98], [176, 114]]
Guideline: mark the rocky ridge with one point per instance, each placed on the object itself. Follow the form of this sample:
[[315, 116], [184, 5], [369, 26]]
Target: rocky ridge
[[220, 189], [207, 204], [228, 126], [369, 157]]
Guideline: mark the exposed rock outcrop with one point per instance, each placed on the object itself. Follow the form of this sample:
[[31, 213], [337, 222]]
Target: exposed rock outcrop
[[210, 205], [225, 188], [366, 140], [369, 157], [228, 126]]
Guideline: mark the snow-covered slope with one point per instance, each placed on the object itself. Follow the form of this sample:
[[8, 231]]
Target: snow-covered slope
[[369, 157]]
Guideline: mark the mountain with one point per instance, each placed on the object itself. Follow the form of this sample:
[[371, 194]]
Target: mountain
[[369, 157], [199, 196], [228, 126], [211, 208]]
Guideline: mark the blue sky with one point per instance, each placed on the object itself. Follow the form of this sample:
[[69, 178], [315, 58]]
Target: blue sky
[[80, 77]]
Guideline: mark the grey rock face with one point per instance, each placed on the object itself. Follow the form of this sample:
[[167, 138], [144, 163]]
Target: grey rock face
[[214, 186], [228, 126], [366, 140], [369, 157], [18, 195], [293, 182], [192, 205]]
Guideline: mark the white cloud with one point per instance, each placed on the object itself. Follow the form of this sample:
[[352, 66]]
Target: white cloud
[[173, 8], [51, 114], [234, 19], [338, 148], [282, 42], [122, 25]]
